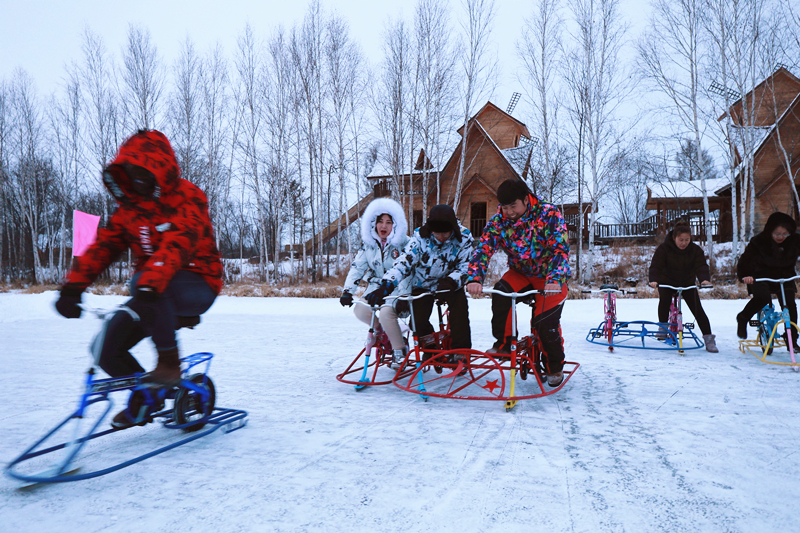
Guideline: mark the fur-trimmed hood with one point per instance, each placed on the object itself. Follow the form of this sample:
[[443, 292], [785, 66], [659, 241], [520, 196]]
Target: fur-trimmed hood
[[376, 208]]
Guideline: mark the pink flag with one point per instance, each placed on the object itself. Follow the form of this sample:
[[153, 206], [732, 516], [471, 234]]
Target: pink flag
[[84, 231]]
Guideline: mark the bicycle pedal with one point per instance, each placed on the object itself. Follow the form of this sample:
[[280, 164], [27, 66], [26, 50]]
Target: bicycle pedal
[[755, 323], [688, 325]]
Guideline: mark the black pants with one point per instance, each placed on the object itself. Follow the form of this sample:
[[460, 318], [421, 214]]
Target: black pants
[[186, 295], [761, 296], [692, 299], [460, 334], [545, 317]]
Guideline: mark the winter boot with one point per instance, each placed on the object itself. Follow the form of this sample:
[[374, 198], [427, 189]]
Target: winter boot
[[554, 380], [741, 327], [168, 370], [398, 356], [499, 348], [138, 412], [711, 343]]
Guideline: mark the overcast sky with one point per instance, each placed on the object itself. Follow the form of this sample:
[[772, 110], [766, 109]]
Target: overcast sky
[[43, 36]]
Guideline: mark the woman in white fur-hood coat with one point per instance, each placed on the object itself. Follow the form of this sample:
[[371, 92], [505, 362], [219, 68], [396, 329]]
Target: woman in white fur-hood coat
[[378, 253], [383, 233]]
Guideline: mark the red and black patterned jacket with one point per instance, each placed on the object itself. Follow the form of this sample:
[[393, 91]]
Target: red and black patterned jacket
[[168, 230]]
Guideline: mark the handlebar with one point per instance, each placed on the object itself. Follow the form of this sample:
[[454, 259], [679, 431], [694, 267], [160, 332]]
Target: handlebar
[[622, 291], [782, 280], [518, 294], [686, 288], [98, 312], [406, 297], [409, 297]]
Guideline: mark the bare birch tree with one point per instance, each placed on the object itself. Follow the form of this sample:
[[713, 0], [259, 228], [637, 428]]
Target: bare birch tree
[[216, 127], [307, 52], [143, 78], [436, 57], [184, 112], [389, 100], [601, 87], [250, 100], [540, 50], [66, 125], [478, 77], [344, 66], [669, 57]]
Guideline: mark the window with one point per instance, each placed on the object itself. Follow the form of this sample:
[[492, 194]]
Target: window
[[416, 221], [477, 218]]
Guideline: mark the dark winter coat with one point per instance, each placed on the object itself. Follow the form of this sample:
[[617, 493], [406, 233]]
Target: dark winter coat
[[672, 266], [764, 258], [168, 230]]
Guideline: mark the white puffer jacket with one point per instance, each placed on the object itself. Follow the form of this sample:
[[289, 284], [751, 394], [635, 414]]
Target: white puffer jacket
[[372, 262]]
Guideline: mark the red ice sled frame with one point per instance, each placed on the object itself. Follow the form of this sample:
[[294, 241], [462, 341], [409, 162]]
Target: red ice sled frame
[[381, 357], [481, 377]]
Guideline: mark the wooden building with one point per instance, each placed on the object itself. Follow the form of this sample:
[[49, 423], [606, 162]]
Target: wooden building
[[683, 200], [775, 133], [498, 148]]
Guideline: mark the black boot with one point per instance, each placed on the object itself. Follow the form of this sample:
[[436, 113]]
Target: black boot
[[741, 326], [139, 411], [168, 370]]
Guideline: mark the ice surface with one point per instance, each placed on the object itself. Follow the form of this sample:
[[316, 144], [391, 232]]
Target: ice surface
[[637, 441]]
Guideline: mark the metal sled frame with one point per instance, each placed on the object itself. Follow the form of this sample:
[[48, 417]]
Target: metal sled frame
[[633, 334], [763, 346], [363, 370], [97, 391], [474, 375], [377, 353], [463, 374], [768, 321]]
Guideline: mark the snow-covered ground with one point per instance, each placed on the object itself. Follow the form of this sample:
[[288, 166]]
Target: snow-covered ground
[[636, 441]]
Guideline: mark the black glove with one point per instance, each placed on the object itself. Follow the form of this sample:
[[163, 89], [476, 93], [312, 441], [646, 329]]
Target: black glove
[[447, 284], [377, 296], [146, 295], [346, 299], [68, 304], [401, 307]]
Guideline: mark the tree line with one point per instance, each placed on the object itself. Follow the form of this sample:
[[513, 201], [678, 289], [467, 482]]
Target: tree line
[[281, 131]]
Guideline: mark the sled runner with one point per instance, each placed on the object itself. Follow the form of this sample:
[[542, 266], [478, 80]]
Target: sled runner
[[193, 411], [474, 375]]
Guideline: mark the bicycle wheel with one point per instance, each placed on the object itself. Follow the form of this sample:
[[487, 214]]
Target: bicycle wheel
[[764, 331]]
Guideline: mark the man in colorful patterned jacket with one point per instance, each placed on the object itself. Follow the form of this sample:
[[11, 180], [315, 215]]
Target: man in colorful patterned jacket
[[534, 237], [164, 220]]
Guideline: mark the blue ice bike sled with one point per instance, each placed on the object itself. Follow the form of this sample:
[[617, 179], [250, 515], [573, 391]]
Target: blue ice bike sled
[[675, 334], [193, 408]]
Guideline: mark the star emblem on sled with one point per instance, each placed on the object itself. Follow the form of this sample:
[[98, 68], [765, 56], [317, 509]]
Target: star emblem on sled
[[491, 385]]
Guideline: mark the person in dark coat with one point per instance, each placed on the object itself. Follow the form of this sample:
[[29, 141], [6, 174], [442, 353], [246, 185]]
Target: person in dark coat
[[677, 262], [773, 254]]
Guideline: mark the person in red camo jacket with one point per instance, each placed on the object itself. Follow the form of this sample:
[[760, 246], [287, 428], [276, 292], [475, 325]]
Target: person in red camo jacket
[[164, 220]]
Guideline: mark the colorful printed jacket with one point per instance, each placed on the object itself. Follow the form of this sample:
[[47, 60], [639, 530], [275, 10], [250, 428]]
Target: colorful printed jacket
[[426, 261], [167, 231], [537, 244]]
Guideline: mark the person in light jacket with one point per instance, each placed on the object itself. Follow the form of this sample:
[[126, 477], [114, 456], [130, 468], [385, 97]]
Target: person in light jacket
[[383, 236]]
